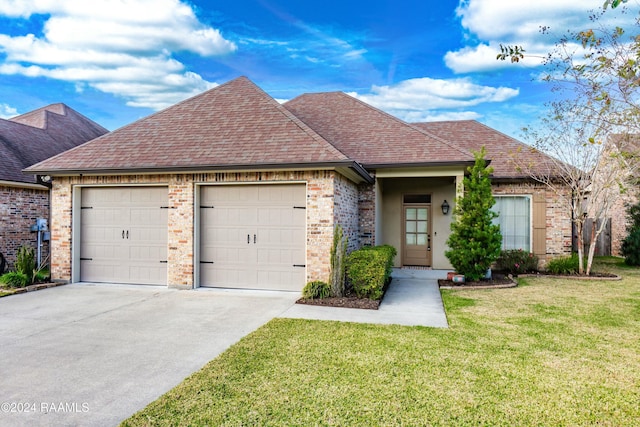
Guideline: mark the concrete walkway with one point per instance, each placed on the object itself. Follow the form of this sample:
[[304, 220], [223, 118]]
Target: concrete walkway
[[413, 299]]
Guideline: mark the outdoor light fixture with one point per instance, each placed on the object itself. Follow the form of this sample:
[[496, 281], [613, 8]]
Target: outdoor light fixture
[[445, 207]]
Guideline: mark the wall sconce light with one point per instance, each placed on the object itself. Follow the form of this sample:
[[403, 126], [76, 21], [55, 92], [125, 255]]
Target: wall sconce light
[[445, 207]]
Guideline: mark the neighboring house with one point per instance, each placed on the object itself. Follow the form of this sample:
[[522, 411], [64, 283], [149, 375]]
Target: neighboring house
[[24, 141], [628, 150], [232, 189]]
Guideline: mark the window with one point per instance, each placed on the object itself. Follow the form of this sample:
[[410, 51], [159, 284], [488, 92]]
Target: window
[[514, 221]]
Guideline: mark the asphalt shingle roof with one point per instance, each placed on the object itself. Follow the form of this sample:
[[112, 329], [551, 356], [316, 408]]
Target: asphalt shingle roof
[[32, 137], [234, 124], [472, 135], [371, 136]]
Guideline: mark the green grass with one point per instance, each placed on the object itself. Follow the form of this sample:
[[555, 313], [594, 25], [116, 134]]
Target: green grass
[[554, 352]]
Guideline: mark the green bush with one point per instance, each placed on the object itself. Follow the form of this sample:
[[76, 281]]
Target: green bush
[[631, 247], [316, 290], [41, 275], [564, 265], [390, 253], [631, 243], [26, 262], [517, 261], [15, 279], [366, 271]]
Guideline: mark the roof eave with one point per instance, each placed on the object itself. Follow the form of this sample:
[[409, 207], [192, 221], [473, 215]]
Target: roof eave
[[349, 168], [464, 163]]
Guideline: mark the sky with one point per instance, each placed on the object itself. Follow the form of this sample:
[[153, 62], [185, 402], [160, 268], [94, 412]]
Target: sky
[[116, 61]]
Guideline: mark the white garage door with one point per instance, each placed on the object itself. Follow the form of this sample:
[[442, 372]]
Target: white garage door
[[253, 236], [124, 235]]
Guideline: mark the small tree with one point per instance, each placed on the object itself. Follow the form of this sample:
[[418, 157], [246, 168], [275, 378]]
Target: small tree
[[592, 125], [475, 241], [338, 255]]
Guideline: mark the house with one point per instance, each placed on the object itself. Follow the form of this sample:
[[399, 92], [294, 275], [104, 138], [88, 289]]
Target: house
[[232, 189], [25, 140], [623, 153]]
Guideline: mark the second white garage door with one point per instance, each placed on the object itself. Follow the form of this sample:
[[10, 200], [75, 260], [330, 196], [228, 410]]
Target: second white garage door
[[253, 236]]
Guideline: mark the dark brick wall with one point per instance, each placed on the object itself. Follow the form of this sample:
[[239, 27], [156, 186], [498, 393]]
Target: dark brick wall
[[19, 208]]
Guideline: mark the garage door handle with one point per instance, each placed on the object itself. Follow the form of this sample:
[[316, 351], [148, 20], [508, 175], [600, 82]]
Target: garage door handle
[[254, 238], [123, 234], [127, 234], [248, 239]]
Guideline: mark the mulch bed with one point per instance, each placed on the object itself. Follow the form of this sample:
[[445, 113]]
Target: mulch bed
[[351, 301]]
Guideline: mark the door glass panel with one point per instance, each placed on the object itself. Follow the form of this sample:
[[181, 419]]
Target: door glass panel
[[422, 214], [411, 226], [422, 226], [411, 239], [411, 213], [422, 239]]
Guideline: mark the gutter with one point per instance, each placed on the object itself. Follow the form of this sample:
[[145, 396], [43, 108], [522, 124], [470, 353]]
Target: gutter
[[356, 169]]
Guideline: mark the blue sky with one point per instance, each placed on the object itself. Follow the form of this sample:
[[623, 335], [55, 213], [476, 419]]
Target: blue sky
[[119, 60]]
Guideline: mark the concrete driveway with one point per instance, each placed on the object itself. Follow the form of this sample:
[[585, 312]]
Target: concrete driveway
[[93, 355]]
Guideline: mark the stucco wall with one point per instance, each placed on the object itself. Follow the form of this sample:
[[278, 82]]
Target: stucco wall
[[320, 211], [19, 209], [392, 191]]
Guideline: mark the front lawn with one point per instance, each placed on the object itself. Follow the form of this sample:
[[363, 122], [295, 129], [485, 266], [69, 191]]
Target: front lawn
[[550, 352]]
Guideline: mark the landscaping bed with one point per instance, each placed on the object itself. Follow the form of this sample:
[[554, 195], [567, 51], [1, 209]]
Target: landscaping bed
[[349, 301], [496, 281]]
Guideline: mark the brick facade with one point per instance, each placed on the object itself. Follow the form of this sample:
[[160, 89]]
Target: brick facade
[[620, 219], [556, 220], [19, 209], [367, 214], [346, 210], [330, 199]]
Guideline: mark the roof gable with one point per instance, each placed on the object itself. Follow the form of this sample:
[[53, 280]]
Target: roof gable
[[40, 134], [233, 125], [371, 136]]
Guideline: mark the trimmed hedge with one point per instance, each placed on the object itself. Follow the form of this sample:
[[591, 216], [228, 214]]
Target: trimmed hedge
[[369, 269]]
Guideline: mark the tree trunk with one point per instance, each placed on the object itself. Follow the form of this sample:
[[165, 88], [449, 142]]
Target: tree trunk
[[579, 230], [592, 246]]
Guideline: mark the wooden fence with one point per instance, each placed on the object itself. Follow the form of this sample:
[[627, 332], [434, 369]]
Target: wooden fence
[[603, 244]]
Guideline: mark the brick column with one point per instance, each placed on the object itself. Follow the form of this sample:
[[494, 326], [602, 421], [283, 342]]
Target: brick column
[[180, 237]]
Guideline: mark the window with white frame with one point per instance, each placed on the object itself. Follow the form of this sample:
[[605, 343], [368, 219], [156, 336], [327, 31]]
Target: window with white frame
[[514, 221]]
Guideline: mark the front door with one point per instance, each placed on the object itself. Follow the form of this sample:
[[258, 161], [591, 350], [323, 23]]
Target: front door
[[416, 248]]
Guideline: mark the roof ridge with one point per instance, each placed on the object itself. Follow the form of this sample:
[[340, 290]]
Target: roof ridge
[[296, 120]]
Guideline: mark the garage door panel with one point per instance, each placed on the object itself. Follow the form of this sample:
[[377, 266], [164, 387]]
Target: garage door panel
[[124, 235], [273, 218]]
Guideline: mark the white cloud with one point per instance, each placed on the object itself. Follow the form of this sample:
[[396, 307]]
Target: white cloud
[[414, 117], [424, 99], [425, 94], [123, 47], [7, 112], [489, 23]]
